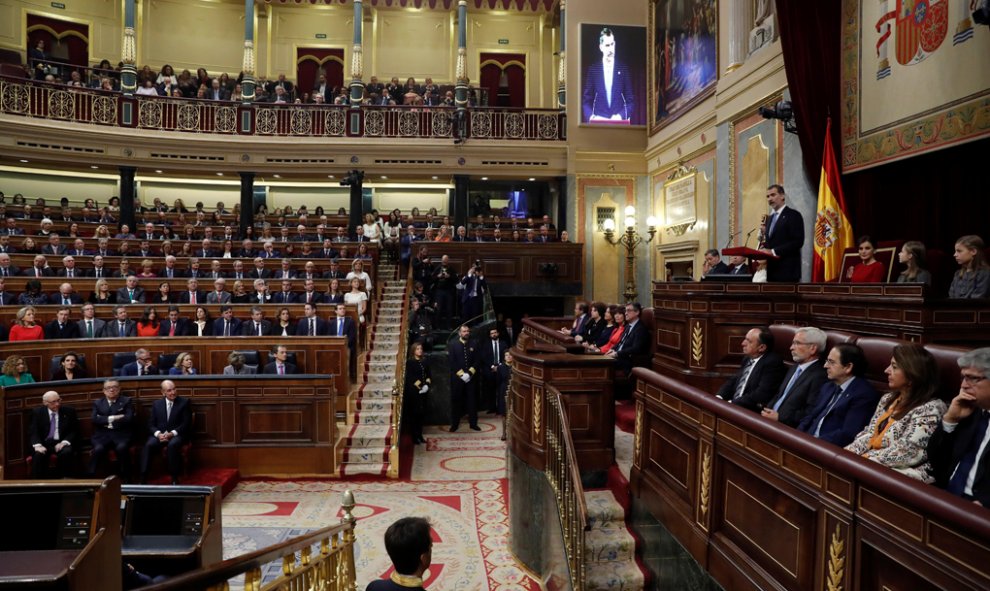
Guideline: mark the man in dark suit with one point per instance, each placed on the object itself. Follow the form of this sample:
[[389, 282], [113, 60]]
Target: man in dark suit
[[141, 366], [286, 296], [66, 296], [798, 392], [6, 269], [61, 327], [958, 448], [342, 325], [226, 325], [6, 298], [259, 271], [258, 326], [491, 357], [54, 429], [633, 348], [608, 93], [714, 264], [462, 355], [761, 373], [311, 324], [40, 268], [783, 237], [113, 416], [131, 293], [279, 366], [120, 326], [192, 294], [69, 269], [846, 402], [174, 325], [169, 424], [580, 318], [89, 325]]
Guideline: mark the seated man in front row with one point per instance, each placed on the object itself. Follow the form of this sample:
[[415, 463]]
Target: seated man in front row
[[170, 421], [53, 431], [113, 416], [846, 402], [761, 373], [410, 547], [958, 448], [798, 393]]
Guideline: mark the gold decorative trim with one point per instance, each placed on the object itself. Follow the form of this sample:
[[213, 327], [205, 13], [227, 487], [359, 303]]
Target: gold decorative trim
[[733, 214], [706, 482], [537, 412], [836, 561], [697, 343], [638, 434]]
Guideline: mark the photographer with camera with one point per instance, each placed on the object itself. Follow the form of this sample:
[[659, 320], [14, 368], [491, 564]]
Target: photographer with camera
[[473, 289], [444, 286]]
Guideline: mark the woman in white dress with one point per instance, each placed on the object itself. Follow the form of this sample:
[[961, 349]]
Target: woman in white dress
[[357, 297], [357, 270], [372, 228]]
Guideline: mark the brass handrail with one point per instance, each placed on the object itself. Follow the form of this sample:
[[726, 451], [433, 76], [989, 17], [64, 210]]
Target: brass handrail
[[400, 381], [565, 479], [331, 569]]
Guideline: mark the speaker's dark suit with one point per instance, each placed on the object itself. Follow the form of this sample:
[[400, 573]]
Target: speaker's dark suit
[[764, 381], [595, 99], [69, 330], [114, 435], [179, 421], [803, 395], [843, 420], [786, 240], [945, 450], [68, 430]]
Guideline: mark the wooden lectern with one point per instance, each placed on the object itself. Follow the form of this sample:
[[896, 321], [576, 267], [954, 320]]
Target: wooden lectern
[[751, 253]]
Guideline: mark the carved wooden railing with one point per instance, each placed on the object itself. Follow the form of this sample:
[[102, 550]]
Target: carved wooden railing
[[329, 568], [565, 479], [41, 100]]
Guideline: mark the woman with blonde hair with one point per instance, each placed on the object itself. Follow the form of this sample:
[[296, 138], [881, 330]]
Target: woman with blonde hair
[[25, 328], [101, 293], [15, 372], [183, 365]]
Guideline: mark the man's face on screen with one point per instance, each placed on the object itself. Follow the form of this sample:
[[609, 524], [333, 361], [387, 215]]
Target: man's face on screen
[[607, 46]]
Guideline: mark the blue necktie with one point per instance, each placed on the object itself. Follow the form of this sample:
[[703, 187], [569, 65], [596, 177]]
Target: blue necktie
[[787, 390], [773, 222], [957, 484]]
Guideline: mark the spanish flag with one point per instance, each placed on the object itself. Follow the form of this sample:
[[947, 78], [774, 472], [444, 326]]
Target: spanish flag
[[833, 232]]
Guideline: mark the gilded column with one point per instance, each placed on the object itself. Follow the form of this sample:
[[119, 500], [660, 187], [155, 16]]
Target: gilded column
[[128, 72], [740, 23], [562, 65], [357, 60], [461, 84], [247, 64]]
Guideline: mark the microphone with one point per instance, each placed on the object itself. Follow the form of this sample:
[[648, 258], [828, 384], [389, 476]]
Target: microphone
[[729, 241], [748, 234]]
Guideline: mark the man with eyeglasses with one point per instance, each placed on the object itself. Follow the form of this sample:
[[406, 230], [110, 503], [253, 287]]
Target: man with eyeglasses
[[141, 366], [798, 392], [958, 448], [113, 416], [53, 432], [846, 403]]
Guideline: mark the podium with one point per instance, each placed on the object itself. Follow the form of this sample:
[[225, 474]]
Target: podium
[[750, 253]]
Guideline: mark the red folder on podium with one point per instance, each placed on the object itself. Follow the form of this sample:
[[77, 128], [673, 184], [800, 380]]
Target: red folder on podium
[[750, 253]]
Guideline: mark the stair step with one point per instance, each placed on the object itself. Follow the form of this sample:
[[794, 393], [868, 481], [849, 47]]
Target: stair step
[[372, 417], [609, 545], [604, 512], [371, 468], [367, 437], [612, 576]]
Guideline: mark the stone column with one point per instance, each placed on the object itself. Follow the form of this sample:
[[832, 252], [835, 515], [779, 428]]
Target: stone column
[[247, 64], [127, 195], [741, 21], [357, 60], [247, 201], [562, 66], [128, 73]]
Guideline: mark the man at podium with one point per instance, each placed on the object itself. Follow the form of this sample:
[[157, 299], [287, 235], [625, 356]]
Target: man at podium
[[608, 95], [783, 237]]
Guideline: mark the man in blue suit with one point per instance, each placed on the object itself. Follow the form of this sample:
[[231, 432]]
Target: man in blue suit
[[169, 425], [341, 325], [783, 237], [846, 402], [113, 416], [226, 325], [608, 94]]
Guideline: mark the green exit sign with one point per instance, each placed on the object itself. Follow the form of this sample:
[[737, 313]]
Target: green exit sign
[[321, 35], [503, 41], [58, 5]]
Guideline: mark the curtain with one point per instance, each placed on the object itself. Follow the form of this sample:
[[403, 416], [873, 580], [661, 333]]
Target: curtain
[[311, 61], [513, 84], [64, 41]]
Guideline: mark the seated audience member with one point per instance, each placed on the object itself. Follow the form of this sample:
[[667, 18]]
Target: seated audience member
[[897, 435], [738, 265], [174, 325], [183, 366], [192, 294], [283, 325], [66, 296], [90, 326], [226, 325], [761, 373], [261, 294], [112, 420], [141, 366], [120, 326], [61, 327], [169, 423], [616, 316], [163, 295], [958, 448], [357, 270], [594, 325], [341, 325], [912, 255], [357, 297], [311, 324], [972, 280], [334, 295], [798, 392], [33, 296], [713, 264], [53, 431], [102, 293], [25, 328], [202, 324], [279, 366], [868, 269], [581, 316], [410, 548], [309, 294], [236, 366], [40, 268], [6, 298], [239, 295], [131, 293], [69, 369], [258, 326], [635, 342], [15, 372], [219, 295], [148, 325], [846, 403]]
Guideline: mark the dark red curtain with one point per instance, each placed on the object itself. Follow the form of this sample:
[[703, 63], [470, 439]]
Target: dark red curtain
[[67, 40], [935, 197], [310, 61], [514, 66]]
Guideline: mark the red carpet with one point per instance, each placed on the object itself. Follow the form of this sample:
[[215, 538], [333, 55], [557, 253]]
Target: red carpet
[[625, 415], [225, 478]]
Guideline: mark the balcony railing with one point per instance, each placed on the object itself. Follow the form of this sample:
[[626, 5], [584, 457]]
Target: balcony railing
[[40, 100]]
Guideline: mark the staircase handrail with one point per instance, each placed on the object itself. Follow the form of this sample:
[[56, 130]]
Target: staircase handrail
[[565, 479], [332, 568], [399, 384]]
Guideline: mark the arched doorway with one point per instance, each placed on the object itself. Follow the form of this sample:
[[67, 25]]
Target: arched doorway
[[311, 62], [503, 75]]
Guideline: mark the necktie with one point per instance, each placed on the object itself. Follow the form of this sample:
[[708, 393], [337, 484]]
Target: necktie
[[123, 329], [53, 425], [69, 274], [281, 370], [257, 327], [312, 327], [340, 327], [192, 297], [960, 478], [226, 328], [773, 222], [171, 329], [622, 339], [836, 395], [65, 301], [743, 377], [130, 294], [89, 329], [168, 411], [37, 272], [99, 272], [787, 390]]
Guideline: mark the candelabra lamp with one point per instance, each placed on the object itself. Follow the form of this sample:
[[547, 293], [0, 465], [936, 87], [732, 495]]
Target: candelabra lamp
[[631, 238]]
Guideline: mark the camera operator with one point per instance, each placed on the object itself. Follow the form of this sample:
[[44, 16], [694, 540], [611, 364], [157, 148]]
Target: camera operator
[[473, 293], [444, 286]]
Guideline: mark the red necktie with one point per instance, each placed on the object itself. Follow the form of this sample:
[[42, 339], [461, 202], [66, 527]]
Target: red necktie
[[192, 297]]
